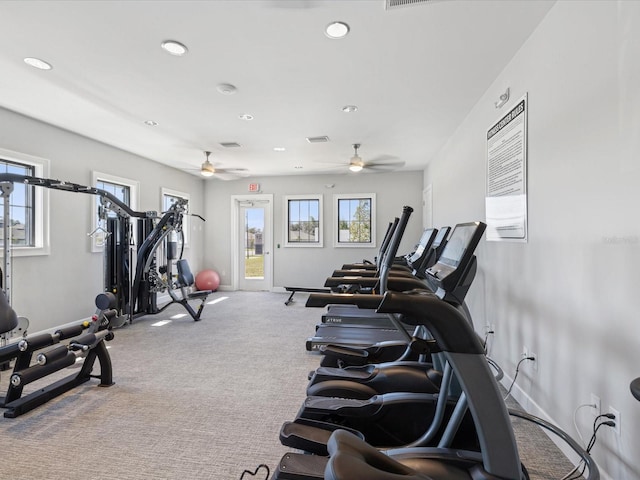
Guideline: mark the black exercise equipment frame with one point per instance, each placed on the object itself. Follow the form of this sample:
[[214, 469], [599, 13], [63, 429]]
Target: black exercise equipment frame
[[136, 294]]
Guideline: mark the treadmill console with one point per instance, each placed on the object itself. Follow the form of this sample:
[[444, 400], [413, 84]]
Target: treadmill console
[[442, 235], [457, 255], [426, 241]]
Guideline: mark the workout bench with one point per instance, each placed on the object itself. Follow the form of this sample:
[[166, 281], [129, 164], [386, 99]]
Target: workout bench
[[184, 281], [293, 291]]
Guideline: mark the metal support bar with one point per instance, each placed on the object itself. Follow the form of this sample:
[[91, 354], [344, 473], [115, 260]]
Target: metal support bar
[[5, 190]]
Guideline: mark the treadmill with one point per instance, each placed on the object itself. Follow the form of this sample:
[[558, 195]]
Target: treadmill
[[410, 264], [369, 316], [434, 242], [452, 274]]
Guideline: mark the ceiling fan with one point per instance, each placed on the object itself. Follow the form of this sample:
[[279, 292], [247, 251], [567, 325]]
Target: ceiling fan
[[382, 163], [207, 169]]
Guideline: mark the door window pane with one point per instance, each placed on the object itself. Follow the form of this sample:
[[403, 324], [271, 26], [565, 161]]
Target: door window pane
[[254, 243]]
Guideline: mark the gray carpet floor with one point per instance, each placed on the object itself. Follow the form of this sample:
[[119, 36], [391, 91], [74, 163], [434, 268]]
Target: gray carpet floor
[[192, 400]]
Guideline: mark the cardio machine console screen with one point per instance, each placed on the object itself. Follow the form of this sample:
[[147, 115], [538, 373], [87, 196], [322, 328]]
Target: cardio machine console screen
[[458, 244], [440, 237], [457, 253], [424, 240]]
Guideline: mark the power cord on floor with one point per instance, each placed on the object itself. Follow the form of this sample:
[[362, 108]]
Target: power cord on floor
[[515, 376], [255, 472], [575, 474]]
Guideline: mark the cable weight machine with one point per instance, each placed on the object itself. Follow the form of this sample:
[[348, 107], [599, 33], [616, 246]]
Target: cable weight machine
[[135, 290]]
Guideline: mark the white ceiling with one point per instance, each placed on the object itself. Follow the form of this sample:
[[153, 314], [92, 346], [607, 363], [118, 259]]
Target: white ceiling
[[414, 72]]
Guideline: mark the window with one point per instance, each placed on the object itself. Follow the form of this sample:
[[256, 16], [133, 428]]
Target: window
[[20, 205], [355, 220], [304, 221], [123, 189], [169, 197], [28, 205]]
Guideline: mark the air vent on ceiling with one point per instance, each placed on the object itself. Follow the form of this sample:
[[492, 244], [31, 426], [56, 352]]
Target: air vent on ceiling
[[230, 144], [391, 4], [317, 139]]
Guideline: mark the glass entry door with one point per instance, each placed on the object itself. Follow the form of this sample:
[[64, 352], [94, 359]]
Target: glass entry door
[[254, 245]]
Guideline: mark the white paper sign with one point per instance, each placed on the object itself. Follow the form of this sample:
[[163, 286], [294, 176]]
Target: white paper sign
[[506, 202]]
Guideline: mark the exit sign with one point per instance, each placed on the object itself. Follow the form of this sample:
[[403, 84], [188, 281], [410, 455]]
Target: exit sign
[[254, 187]]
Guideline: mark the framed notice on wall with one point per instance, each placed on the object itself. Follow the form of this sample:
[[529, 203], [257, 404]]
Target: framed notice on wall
[[506, 201]]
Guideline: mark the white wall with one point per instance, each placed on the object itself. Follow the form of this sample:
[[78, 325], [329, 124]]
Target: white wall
[[61, 287], [309, 267], [569, 293]]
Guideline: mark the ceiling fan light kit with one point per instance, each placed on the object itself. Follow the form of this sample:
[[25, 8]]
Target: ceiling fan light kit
[[207, 169], [356, 164]]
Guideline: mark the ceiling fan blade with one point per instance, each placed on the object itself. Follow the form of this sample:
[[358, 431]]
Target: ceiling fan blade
[[234, 171], [231, 173], [381, 159], [383, 167], [226, 175]]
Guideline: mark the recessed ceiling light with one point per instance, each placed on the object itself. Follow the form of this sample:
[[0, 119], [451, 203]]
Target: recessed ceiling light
[[336, 30], [279, 149], [151, 123], [226, 88], [349, 108], [37, 63], [245, 116], [174, 48]]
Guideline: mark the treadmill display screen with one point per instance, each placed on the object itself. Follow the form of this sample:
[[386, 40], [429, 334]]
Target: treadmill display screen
[[423, 242], [458, 244], [442, 233]]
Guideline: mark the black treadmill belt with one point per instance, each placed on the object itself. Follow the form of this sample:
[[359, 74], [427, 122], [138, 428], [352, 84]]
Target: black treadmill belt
[[352, 316], [336, 335]]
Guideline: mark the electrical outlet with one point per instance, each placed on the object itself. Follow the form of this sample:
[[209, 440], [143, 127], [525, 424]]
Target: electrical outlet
[[526, 353], [595, 401], [534, 361], [489, 328], [618, 420]]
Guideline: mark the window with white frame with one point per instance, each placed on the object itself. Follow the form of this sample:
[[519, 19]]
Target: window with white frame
[[124, 189], [354, 217], [28, 205], [303, 226], [169, 197]]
